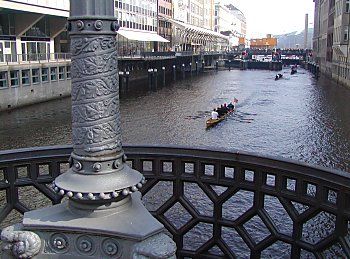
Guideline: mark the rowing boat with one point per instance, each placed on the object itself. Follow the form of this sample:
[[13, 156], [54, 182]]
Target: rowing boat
[[212, 122]]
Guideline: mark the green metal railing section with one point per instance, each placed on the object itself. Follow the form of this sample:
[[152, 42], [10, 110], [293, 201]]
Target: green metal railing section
[[216, 204]]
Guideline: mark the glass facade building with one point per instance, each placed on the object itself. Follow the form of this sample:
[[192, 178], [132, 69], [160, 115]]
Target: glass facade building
[[29, 29], [138, 16]]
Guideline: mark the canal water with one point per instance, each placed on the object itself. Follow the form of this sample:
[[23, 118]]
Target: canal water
[[295, 117]]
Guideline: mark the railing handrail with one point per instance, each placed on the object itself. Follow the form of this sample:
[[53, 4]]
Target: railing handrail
[[9, 59], [279, 163]]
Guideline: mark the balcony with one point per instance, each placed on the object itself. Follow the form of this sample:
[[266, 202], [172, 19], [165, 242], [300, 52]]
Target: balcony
[[216, 204]]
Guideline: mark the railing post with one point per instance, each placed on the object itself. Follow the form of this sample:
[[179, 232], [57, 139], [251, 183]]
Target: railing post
[[183, 71], [150, 79], [174, 72], [163, 73], [103, 216], [121, 81], [155, 78], [127, 79]]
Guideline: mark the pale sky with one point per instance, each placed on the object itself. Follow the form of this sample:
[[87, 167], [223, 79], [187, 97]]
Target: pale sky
[[275, 16]]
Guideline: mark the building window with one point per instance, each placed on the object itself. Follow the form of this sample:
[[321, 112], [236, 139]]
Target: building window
[[53, 73], [346, 33], [347, 6], [68, 72], [44, 74], [3, 79], [14, 78], [61, 73], [25, 77], [35, 76]]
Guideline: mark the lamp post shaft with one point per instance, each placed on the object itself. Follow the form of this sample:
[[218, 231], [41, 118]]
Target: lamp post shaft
[[104, 216]]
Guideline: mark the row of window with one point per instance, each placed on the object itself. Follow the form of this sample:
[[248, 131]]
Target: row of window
[[339, 7], [163, 10], [341, 34], [197, 9], [35, 76], [134, 25], [135, 9], [136, 21], [164, 24]]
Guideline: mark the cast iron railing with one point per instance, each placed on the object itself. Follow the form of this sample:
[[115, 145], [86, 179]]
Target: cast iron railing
[[216, 204]]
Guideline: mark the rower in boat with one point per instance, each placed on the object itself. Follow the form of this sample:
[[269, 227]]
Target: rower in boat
[[278, 76], [219, 114], [214, 114]]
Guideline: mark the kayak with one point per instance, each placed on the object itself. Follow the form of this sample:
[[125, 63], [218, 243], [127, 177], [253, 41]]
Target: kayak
[[211, 122]]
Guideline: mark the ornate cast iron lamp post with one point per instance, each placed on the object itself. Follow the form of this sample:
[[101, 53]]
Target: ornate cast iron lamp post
[[104, 216]]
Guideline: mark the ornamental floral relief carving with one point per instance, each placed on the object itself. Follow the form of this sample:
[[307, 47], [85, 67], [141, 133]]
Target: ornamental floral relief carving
[[95, 111], [94, 65], [86, 45], [97, 134], [95, 88]]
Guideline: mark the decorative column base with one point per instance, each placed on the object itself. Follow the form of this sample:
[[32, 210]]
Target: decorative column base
[[126, 230]]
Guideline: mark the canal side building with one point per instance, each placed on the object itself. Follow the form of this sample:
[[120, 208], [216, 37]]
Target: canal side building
[[331, 39], [32, 29], [164, 27], [138, 26], [229, 21], [267, 43]]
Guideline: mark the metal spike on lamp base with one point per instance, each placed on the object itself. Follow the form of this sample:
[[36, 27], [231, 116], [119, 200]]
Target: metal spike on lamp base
[[104, 216]]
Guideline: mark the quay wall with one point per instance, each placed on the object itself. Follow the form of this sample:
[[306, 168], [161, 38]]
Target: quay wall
[[27, 84]]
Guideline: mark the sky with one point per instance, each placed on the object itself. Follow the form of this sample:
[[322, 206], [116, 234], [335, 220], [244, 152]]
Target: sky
[[275, 16]]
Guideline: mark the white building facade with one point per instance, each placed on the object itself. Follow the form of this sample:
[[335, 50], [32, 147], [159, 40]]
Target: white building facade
[[199, 13], [31, 29], [228, 20]]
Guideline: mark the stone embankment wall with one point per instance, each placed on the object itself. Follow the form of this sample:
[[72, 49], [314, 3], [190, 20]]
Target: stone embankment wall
[[27, 84]]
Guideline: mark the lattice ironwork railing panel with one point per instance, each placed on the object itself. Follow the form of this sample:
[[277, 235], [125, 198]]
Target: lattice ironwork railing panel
[[215, 204]]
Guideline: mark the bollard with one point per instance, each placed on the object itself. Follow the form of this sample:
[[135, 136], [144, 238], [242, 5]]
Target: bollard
[[229, 65], [163, 72], [197, 67], [183, 71], [127, 76], [203, 64], [174, 72], [191, 68], [121, 81], [150, 75], [155, 78], [217, 65]]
